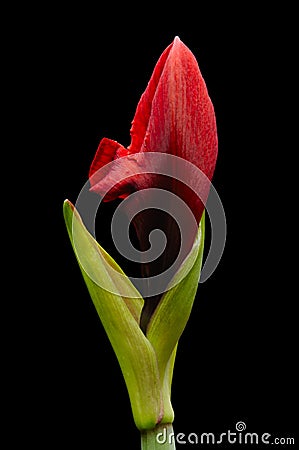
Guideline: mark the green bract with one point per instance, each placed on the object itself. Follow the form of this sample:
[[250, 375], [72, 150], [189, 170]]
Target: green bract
[[147, 360]]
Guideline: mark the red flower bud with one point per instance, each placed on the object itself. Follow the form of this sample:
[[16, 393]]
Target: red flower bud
[[175, 115]]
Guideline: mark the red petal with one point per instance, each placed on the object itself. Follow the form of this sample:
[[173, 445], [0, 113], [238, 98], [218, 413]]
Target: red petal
[[108, 150], [105, 154], [182, 120], [143, 110], [116, 180]]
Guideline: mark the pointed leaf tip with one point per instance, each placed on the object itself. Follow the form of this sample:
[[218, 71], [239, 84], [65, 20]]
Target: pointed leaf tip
[[68, 207], [67, 202]]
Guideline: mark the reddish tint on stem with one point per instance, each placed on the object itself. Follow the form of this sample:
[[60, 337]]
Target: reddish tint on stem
[[175, 115]]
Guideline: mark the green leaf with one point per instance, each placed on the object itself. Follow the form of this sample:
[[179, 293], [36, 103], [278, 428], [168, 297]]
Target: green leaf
[[120, 317], [172, 314], [168, 413]]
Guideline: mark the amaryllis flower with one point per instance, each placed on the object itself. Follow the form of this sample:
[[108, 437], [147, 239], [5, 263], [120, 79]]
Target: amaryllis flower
[[175, 116], [164, 178]]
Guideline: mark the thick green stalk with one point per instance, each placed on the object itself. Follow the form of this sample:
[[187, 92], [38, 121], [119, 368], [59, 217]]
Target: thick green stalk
[[159, 438]]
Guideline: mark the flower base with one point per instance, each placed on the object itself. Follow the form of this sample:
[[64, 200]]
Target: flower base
[[161, 437]]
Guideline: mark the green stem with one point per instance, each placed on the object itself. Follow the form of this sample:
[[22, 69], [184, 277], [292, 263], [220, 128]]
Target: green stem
[[160, 438]]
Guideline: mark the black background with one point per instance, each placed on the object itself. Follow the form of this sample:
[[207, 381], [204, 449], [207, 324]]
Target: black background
[[236, 358]]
